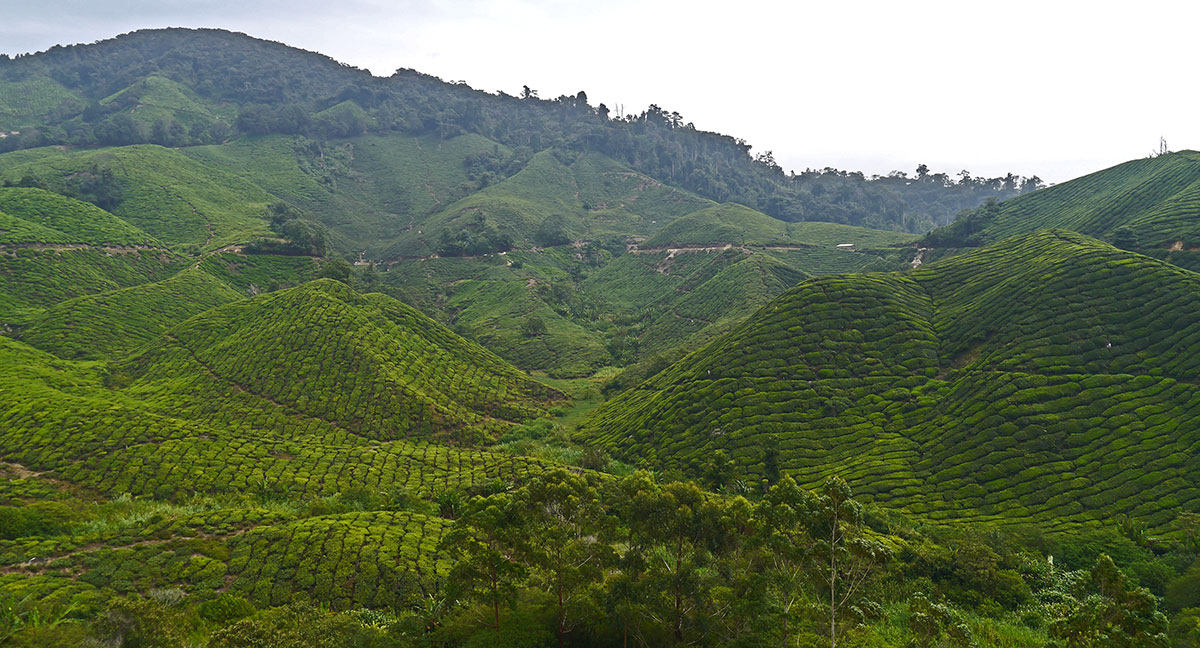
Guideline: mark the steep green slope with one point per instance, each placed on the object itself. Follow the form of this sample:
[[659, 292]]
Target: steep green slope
[[160, 191], [33, 278], [50, 218], [367, 190], [735, 224], [365, 363], [703, 307], [110, 323], [158, 99], [559, 197], [1017, 382], [31, 101], [1157, 198], [1057, 302]]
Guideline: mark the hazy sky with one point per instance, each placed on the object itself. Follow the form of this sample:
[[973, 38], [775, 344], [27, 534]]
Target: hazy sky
[[1052, 88]]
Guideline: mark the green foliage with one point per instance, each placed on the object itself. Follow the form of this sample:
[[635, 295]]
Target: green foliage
[[1116, 615], [225, 609], [37, 519]]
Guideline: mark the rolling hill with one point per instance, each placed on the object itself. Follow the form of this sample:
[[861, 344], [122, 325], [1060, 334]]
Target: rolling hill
[[365, 363], [1157, 199], [1011, 383], [112, 323], [37, 216], [733, 224], [273, 333], [182, 87], [157, 190]]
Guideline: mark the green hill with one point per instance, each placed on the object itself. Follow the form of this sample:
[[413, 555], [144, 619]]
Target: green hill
[[111, 323], [38, 216], [158, 99], [733, 224], [1157, 199], [32, 101], [1008, 383], [32, 278], [365, 363], [558, 197], [368, 190], [75, 422], [183, 87], [157, 190], [277, 391]]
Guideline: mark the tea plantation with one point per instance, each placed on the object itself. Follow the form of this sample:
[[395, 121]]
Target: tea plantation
[[295, 356], [158, 190], [39, 216], [1154, 200], [1012, 383]]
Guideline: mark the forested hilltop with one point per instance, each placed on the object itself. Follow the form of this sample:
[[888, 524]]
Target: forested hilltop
[[294, 356], [180, 87]]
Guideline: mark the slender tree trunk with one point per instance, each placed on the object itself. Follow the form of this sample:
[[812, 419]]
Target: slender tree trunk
[[562, 613], [833, 584], [678, 594], [496, 599]]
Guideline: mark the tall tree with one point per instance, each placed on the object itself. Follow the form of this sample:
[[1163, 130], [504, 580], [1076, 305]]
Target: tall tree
[[486, 543], [1117, 615], [571, 526], [846, 558]]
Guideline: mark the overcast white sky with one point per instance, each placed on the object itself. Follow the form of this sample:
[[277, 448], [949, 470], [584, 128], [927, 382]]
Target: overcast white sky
[[1052, 88]]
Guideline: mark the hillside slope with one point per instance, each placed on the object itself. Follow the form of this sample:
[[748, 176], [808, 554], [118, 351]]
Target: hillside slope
[[37, 216], [155, 189], [557, 198], [180, 87], [733, 224], [365, 363], [1014, 383], [112, 323], [1157, 199]]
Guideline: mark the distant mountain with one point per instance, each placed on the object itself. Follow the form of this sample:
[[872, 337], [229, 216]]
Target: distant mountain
[[1009, 382], [180, 87]]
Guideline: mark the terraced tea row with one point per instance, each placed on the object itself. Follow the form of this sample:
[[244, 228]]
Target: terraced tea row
[[32, 279], [367, 363], [375, 559], [112, 323]]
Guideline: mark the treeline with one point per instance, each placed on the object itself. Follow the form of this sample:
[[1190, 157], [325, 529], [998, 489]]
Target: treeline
[[284, 90]]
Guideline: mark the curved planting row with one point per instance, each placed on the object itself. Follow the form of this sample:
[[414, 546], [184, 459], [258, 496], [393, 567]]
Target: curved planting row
[[375, 559]]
